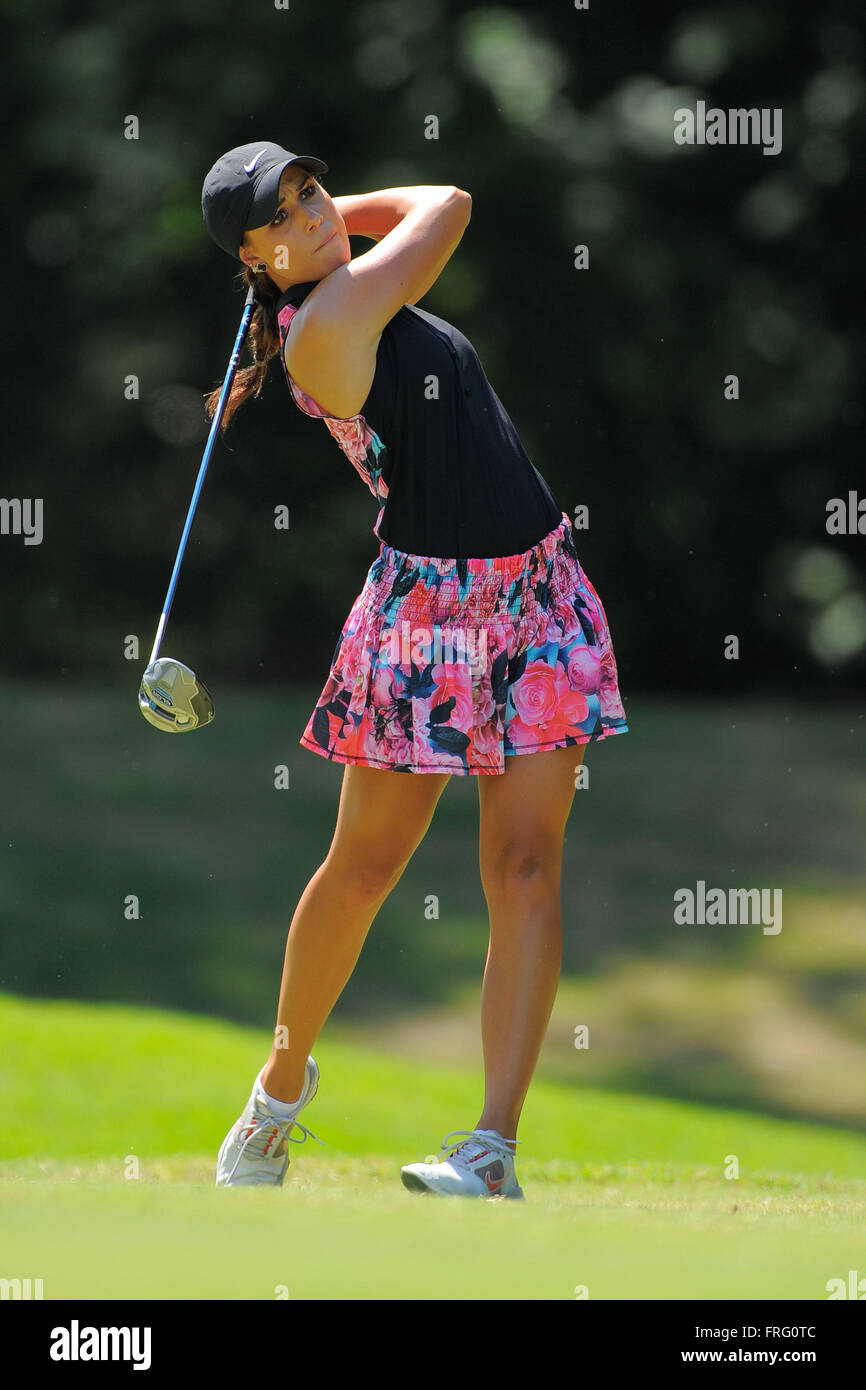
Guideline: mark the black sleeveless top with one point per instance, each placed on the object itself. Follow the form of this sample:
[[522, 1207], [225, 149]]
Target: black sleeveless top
[[434, 444]]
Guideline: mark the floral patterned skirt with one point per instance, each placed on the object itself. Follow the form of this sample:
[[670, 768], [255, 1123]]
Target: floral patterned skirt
[[448, 665]]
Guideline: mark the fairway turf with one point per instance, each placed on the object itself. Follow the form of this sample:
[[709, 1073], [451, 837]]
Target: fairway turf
[[625, 1195], [347, 1230]]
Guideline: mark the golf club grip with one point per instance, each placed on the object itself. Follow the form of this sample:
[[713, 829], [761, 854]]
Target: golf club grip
[[246, 317]]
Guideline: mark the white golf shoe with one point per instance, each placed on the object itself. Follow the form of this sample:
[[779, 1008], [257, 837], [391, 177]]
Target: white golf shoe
[[481, 1165], [255, 1152]]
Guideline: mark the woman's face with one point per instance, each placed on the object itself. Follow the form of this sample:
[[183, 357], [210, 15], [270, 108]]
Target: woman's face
[[291, 246]]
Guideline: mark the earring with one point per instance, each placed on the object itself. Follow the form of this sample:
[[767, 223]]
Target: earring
[[261, 267]]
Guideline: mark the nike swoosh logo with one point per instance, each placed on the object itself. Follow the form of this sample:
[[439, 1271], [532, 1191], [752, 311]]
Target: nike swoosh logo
[[493, 1185], [254, 161]]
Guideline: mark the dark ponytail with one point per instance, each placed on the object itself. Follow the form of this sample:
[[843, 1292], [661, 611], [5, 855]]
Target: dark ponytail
[[263, 340]]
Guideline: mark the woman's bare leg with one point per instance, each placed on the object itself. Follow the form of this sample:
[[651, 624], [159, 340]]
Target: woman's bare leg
[[523, 817], [383, 816]]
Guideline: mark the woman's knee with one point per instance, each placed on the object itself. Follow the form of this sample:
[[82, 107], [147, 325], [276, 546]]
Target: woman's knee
[[365, 870], [372, 863], [514, 860]]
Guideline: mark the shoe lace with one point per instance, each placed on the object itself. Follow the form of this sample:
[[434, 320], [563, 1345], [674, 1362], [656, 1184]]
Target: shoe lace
[[475, 1144], [255, 1143]]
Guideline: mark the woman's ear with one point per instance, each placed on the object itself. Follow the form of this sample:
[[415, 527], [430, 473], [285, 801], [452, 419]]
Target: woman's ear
[[246, 255]]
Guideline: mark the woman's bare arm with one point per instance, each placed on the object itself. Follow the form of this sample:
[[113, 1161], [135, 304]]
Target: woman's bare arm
[[367, 214], [374, 215], [352, 304]]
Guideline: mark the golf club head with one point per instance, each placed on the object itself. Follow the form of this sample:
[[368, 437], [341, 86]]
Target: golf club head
[[173, 698]]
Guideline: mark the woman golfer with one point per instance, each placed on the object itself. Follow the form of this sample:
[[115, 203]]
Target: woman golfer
[[476, 641]]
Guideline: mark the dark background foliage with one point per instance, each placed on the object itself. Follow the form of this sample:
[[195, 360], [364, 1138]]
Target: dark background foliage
[[707, 516]]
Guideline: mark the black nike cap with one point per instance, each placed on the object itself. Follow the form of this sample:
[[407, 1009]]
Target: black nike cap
[[242, 190]]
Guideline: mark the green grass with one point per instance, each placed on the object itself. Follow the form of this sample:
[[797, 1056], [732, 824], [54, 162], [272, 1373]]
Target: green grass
[[626, 1195]]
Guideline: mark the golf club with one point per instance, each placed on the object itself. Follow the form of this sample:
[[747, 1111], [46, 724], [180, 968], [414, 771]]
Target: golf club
[[171, 696]]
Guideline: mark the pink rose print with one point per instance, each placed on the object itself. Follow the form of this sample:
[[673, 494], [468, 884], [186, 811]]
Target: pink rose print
[[583, 668], [350, 661], [483, 701], [386, 685], [545, 704], [487, 741], [454, 680]]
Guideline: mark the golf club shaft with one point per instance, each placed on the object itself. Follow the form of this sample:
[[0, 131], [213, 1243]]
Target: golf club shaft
[[249, 306]]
